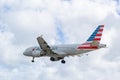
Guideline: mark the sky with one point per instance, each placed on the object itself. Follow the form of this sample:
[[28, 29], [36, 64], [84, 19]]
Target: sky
[[60, 22]]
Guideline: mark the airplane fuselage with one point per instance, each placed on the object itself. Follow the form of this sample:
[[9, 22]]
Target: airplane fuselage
[[61, 50]]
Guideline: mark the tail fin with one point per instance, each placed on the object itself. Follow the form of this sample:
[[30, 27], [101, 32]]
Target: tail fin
[[94, 40], [96, 35]]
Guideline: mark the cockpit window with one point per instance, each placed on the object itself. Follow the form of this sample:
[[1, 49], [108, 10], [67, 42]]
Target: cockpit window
[[37, 48]]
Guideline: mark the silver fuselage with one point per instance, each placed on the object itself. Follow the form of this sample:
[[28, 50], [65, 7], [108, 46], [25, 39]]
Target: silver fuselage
[[60, 50]]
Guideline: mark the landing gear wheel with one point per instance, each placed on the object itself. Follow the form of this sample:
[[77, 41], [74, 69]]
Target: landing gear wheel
[[33, 60], [63, 61]]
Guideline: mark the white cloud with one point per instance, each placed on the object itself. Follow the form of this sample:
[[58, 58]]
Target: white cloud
[[29, 24], [25, 20]]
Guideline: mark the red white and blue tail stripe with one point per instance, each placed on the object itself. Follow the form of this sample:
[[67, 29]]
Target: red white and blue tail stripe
[[95, 37]]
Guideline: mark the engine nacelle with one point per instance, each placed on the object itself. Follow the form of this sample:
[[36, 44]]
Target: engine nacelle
[[55, 58]]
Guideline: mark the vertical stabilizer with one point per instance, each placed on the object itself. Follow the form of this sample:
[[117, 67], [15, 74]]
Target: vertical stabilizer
[[94, 40]]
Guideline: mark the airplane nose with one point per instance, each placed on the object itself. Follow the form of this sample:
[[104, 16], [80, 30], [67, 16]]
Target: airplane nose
[[25, 53]]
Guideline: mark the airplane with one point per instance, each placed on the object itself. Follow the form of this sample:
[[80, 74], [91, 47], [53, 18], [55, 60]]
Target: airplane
[[59, 52]]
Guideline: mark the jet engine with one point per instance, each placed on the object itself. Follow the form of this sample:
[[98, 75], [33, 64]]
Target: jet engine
[[55, 58]]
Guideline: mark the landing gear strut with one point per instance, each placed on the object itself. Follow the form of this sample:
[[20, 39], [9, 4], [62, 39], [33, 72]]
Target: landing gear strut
[[32, 60], [63, 61]]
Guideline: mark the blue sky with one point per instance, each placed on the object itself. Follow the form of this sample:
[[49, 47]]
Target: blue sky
[[59, 21], [60, 33]]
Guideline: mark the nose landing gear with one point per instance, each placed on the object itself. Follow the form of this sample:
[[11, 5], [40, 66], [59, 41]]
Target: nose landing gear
[[33, 59]]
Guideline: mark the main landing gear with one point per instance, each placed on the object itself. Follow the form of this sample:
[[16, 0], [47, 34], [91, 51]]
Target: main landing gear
[[33, 60], [63, 61]]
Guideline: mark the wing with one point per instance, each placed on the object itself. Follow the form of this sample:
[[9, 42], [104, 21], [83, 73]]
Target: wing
[[44, 46]]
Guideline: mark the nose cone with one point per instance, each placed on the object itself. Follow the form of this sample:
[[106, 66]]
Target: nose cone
[[27, 53]]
